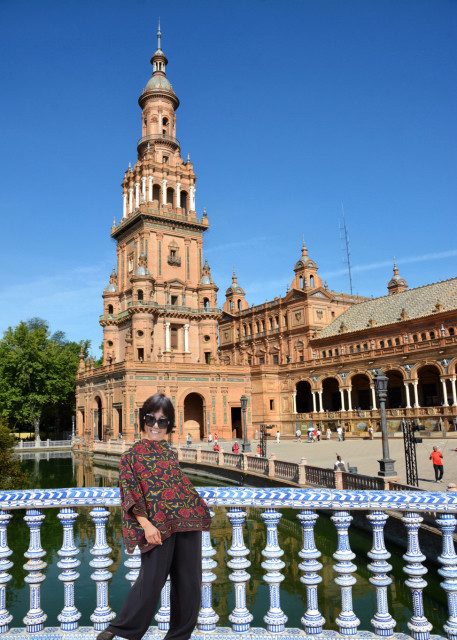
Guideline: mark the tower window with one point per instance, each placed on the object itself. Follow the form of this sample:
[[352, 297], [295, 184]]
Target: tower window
[[174, 301], [140, 295], [165, 159], [174, 337], [275, 358], [110, 309], [140, 354], [208, 357], [239, 305], [272, 405]]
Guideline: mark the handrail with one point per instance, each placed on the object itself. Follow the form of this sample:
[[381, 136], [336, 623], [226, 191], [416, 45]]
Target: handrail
[[305, 501]]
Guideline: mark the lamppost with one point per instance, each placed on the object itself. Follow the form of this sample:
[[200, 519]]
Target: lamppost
[[246, 445], [386, 465], [136, 424]]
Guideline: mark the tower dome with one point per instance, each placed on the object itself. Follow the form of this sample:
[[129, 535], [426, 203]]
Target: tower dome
[[159, 83]]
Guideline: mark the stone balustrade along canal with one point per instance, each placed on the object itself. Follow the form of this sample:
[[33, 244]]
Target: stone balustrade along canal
[[306, 502]]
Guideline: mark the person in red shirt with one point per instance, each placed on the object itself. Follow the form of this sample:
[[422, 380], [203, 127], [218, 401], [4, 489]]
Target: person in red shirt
[[236, 447], [216, 447], [437, 458]]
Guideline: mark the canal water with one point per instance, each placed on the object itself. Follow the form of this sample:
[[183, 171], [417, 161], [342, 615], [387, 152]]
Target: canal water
[[80, 471]]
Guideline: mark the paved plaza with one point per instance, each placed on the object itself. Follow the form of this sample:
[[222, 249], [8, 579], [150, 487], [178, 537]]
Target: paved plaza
[[364, 454]]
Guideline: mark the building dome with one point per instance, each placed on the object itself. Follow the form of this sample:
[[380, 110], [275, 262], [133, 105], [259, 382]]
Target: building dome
[[159, 83], [111, 288], [206, 280]]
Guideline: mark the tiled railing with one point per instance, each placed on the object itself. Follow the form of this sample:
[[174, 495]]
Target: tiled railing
[[305, 502], [43, 444]]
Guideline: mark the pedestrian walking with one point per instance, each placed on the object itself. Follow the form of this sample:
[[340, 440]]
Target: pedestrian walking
[[343, 433], [215, 438], [163, 516], [278, 436], [189, 440], [339, 464], [210, 437], [298, 434], [339, 432], [315, 435], [318, 433], [329, 433], [370, 432], [437, 458]]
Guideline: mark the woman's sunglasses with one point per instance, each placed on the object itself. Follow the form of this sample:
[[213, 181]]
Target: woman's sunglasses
[[150, 421]]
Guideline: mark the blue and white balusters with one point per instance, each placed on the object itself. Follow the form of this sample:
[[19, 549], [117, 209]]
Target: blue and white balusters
[[35, 618], [312, 620], [5, 577], [163, 614], [68, 562], [240, 616], [207, 618], [448, 558], [419, 626], [347, 621], [133, 564], [103, 613], [275, 618], [382, 621]]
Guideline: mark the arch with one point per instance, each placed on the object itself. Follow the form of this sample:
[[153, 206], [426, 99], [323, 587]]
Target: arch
[[311, 282], [429, 388], [139, 295], [156, 192], [183, 197], [165, 126], [396, 395], [331, 397], [304, 397], [98, 419], [170, 196], [206, 303], [110, 309], [239, 304], [360, 391], [414, 375], [194, 416]]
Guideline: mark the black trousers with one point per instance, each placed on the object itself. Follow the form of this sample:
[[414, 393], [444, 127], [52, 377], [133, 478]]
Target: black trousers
[[438, 471], [180, 557]]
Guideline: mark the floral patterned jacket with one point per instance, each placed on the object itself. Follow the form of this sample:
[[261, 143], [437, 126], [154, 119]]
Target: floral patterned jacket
[[152, 485]]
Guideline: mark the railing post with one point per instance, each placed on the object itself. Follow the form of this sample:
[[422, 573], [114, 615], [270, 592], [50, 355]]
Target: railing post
[[207, 618], [133, 564], [69, 615], [312, 620], [419, 626], [103, 613], [163, 614], [448, 558], [220, 459], [338, 479], [179, 452], [199, 453], [275, 618], [240, 616], [35, 618], [302, 472], [382, 621], [347, 621], [5, 577], [271, 465]]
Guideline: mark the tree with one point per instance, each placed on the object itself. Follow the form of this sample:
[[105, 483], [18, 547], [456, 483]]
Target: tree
[[37, 374], [11, 474]]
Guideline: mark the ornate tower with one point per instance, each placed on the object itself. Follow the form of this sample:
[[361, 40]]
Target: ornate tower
[[396, 284], [159, 306], [235, 300], [306, 272]]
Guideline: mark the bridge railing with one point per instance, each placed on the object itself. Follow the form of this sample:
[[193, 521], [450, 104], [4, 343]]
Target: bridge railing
[[306, 502]]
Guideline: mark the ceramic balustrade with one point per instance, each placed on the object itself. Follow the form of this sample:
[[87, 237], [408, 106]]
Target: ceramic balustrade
[[306, 502]]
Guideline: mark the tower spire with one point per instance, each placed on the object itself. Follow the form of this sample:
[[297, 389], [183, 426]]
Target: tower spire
[[159, 37]]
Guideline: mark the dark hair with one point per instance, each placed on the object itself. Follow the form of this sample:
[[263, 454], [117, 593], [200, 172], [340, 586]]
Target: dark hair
[[155, 403]]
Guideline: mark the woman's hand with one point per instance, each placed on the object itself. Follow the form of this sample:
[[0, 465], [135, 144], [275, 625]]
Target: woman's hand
[[151, 533]]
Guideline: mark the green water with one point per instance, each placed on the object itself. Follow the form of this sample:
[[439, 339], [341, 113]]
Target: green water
[[60, 473]]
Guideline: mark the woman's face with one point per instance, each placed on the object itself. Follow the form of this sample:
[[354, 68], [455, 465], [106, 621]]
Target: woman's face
[[154, 432]]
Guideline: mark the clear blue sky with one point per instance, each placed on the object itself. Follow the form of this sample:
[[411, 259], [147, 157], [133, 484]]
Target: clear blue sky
[[288, 108]]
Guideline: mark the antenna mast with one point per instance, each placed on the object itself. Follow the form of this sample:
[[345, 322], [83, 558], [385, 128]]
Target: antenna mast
[[348, 253]]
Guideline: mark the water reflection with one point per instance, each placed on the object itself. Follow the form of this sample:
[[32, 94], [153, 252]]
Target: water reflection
[[85, 471]]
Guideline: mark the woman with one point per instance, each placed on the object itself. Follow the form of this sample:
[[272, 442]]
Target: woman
[[235, 447], [163, 514]]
